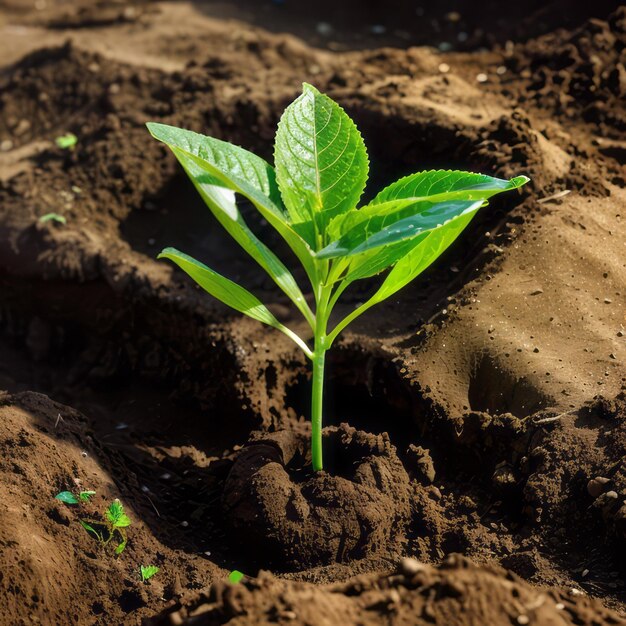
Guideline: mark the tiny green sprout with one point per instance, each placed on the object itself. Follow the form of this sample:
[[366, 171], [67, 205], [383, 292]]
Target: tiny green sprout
[[148, 571], [67, 141], [53, 217], [312, 198], [69, 498], [114, 525], [235, 577]]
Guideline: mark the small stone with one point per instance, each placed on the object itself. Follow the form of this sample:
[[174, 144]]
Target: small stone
[[585, 573], [559, 606], [482, 77], [410, 567], [435, 493], [523, 619], [612, 495], [6, 145], [596, 486], [184, 524], [501, 69], [576, 592], [536, 292], [444, 68], [607, 300], [620, 333]]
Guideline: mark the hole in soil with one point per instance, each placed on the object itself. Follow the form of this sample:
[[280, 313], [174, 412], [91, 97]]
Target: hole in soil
[[496, 390]]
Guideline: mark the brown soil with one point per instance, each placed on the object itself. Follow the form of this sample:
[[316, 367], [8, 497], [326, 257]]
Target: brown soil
[[481, 411]]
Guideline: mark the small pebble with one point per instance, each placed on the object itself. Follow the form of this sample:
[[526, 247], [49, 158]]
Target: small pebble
[[501, 69], [607, 300], [410, 567], [585, 573], [6, 145], [559, 606], [595, 486], [184, 524], [523, 619], [444, 68], [612, 495], [482, 77]]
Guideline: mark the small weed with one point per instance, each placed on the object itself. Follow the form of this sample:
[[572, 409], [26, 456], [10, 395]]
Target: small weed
[[148, 571], [69, 498], [67, 141], [235, 576], [113, 526], [52, 217]]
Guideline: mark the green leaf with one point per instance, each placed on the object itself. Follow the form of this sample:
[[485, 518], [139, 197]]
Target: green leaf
[[237, 163], [440, 185], [228, 292], [115, 514], [321, 161], [122, 546], [67, 497], [383, 227], [413, 205], [148, 571], [90, 529], [422, 255], [239, 171], [378, 260], [52, 217], [84, 496], [235, 576], [67, 141], [222, 203]]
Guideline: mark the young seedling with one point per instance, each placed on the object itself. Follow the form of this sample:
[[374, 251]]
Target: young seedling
[[113, 526], [235, 577], [148, 571], [312, 199], [69, 498], [53, 217], [67, 141]]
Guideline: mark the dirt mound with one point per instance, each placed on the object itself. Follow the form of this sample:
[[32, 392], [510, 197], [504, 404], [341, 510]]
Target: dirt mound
[[450, 595], [53, 571], [358, 509]]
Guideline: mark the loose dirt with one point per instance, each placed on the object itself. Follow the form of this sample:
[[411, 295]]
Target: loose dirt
[[481, 411]]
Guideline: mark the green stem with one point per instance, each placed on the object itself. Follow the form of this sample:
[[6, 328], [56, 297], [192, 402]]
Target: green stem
[[316, 402]]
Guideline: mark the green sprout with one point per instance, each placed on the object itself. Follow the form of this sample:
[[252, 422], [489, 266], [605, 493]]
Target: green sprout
[[148, 571], [114, 525], [67, 141], [52, 217], [69, 498], [235, 576], [312, 200]]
